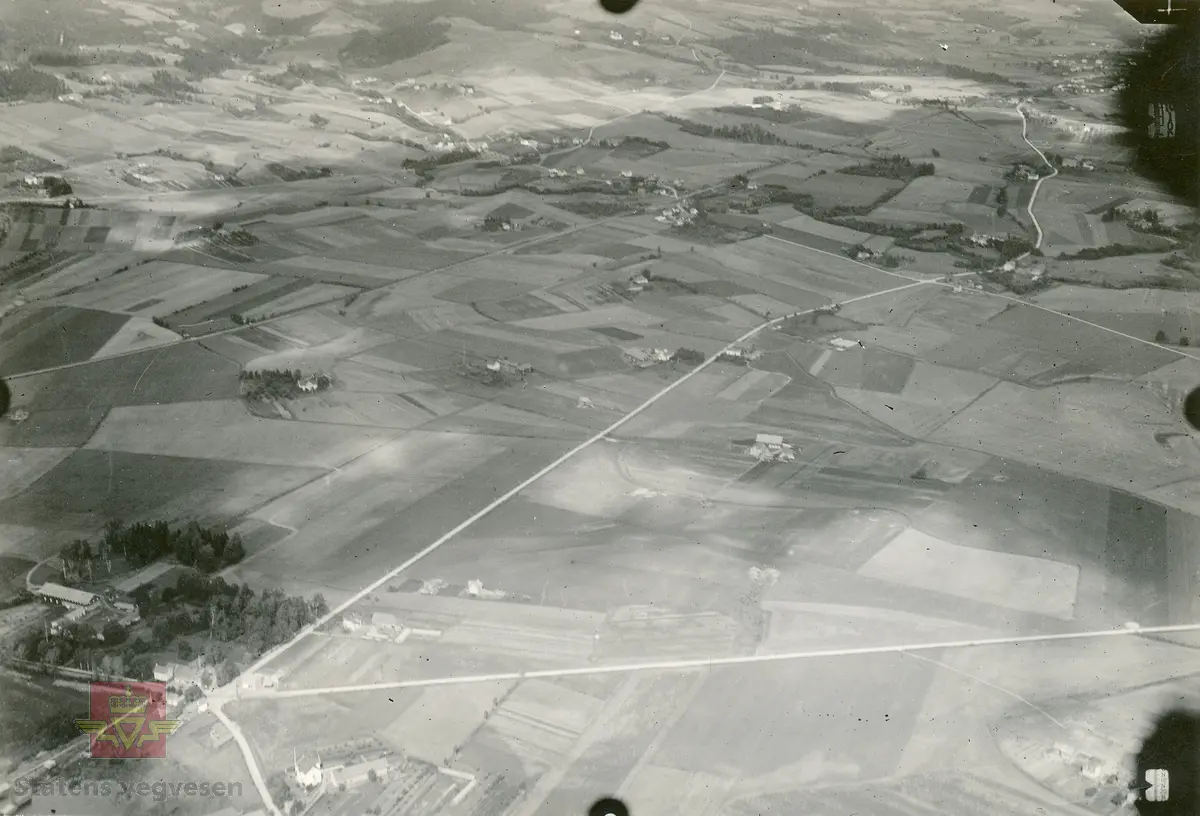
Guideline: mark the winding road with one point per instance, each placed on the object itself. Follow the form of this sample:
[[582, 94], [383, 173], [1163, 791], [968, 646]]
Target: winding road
[[1038, 184]]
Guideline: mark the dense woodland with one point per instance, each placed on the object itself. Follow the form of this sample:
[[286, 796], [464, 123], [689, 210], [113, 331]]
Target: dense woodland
[[204, 548], [60, 58], [24, 83], [896, 167], [750, 133]]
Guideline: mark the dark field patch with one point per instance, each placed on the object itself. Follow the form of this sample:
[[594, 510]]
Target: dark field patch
[[1136, 550], [144, 304], [254, 295], [57, 336], [981, 194], [886, 372], [96, 235], [809, 240], [181, 373], [482, 289], [616, 334], [521, 308], [217, 137], [1050, 334], [591, 361], [37, 715], [91, 486], [722, 288], [65, 428]]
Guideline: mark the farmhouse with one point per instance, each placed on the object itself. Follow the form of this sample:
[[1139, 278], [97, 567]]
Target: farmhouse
[[262, 679], [513, 213], [510, 367], [67, 596], [385, 624], [770, 447]]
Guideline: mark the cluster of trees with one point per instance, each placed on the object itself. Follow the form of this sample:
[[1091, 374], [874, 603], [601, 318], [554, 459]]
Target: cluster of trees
[[749, 133], [643, 146], [1161, 337], [56, 186], [424, 166], [200, 63], [297, 74], [24, 83], [276, 384], [688, 356], [302, 174], [782, 117], [164, 83], [55, 58], [197, 605], [1108, 251], [204, 548], [896, 167]]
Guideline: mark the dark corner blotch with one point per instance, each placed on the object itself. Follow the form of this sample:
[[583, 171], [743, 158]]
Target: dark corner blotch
[[5, 397], [1158, 100], [608, 807], [618, 6], [1173, 745], [1191, 408]]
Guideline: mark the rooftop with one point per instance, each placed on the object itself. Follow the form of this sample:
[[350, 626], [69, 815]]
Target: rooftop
[[59, 592]]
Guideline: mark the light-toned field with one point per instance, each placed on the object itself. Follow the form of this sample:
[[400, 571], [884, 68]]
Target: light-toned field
[[226, 431], [1013, 581], [844, 189], [138, 333], [442, 719], [931, 193]]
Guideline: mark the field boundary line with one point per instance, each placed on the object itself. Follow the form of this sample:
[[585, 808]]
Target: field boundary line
[[561, 460], [217, 700], [906, 649]]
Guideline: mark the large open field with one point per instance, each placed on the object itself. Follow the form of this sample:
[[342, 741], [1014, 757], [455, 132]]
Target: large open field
[[677, 610]]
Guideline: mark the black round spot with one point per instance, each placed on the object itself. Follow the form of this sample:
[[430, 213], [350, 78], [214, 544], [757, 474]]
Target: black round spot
[[608, 807], [1157, 101], [618, 6], [1191, 408], [5, 397], [1172, 746]]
